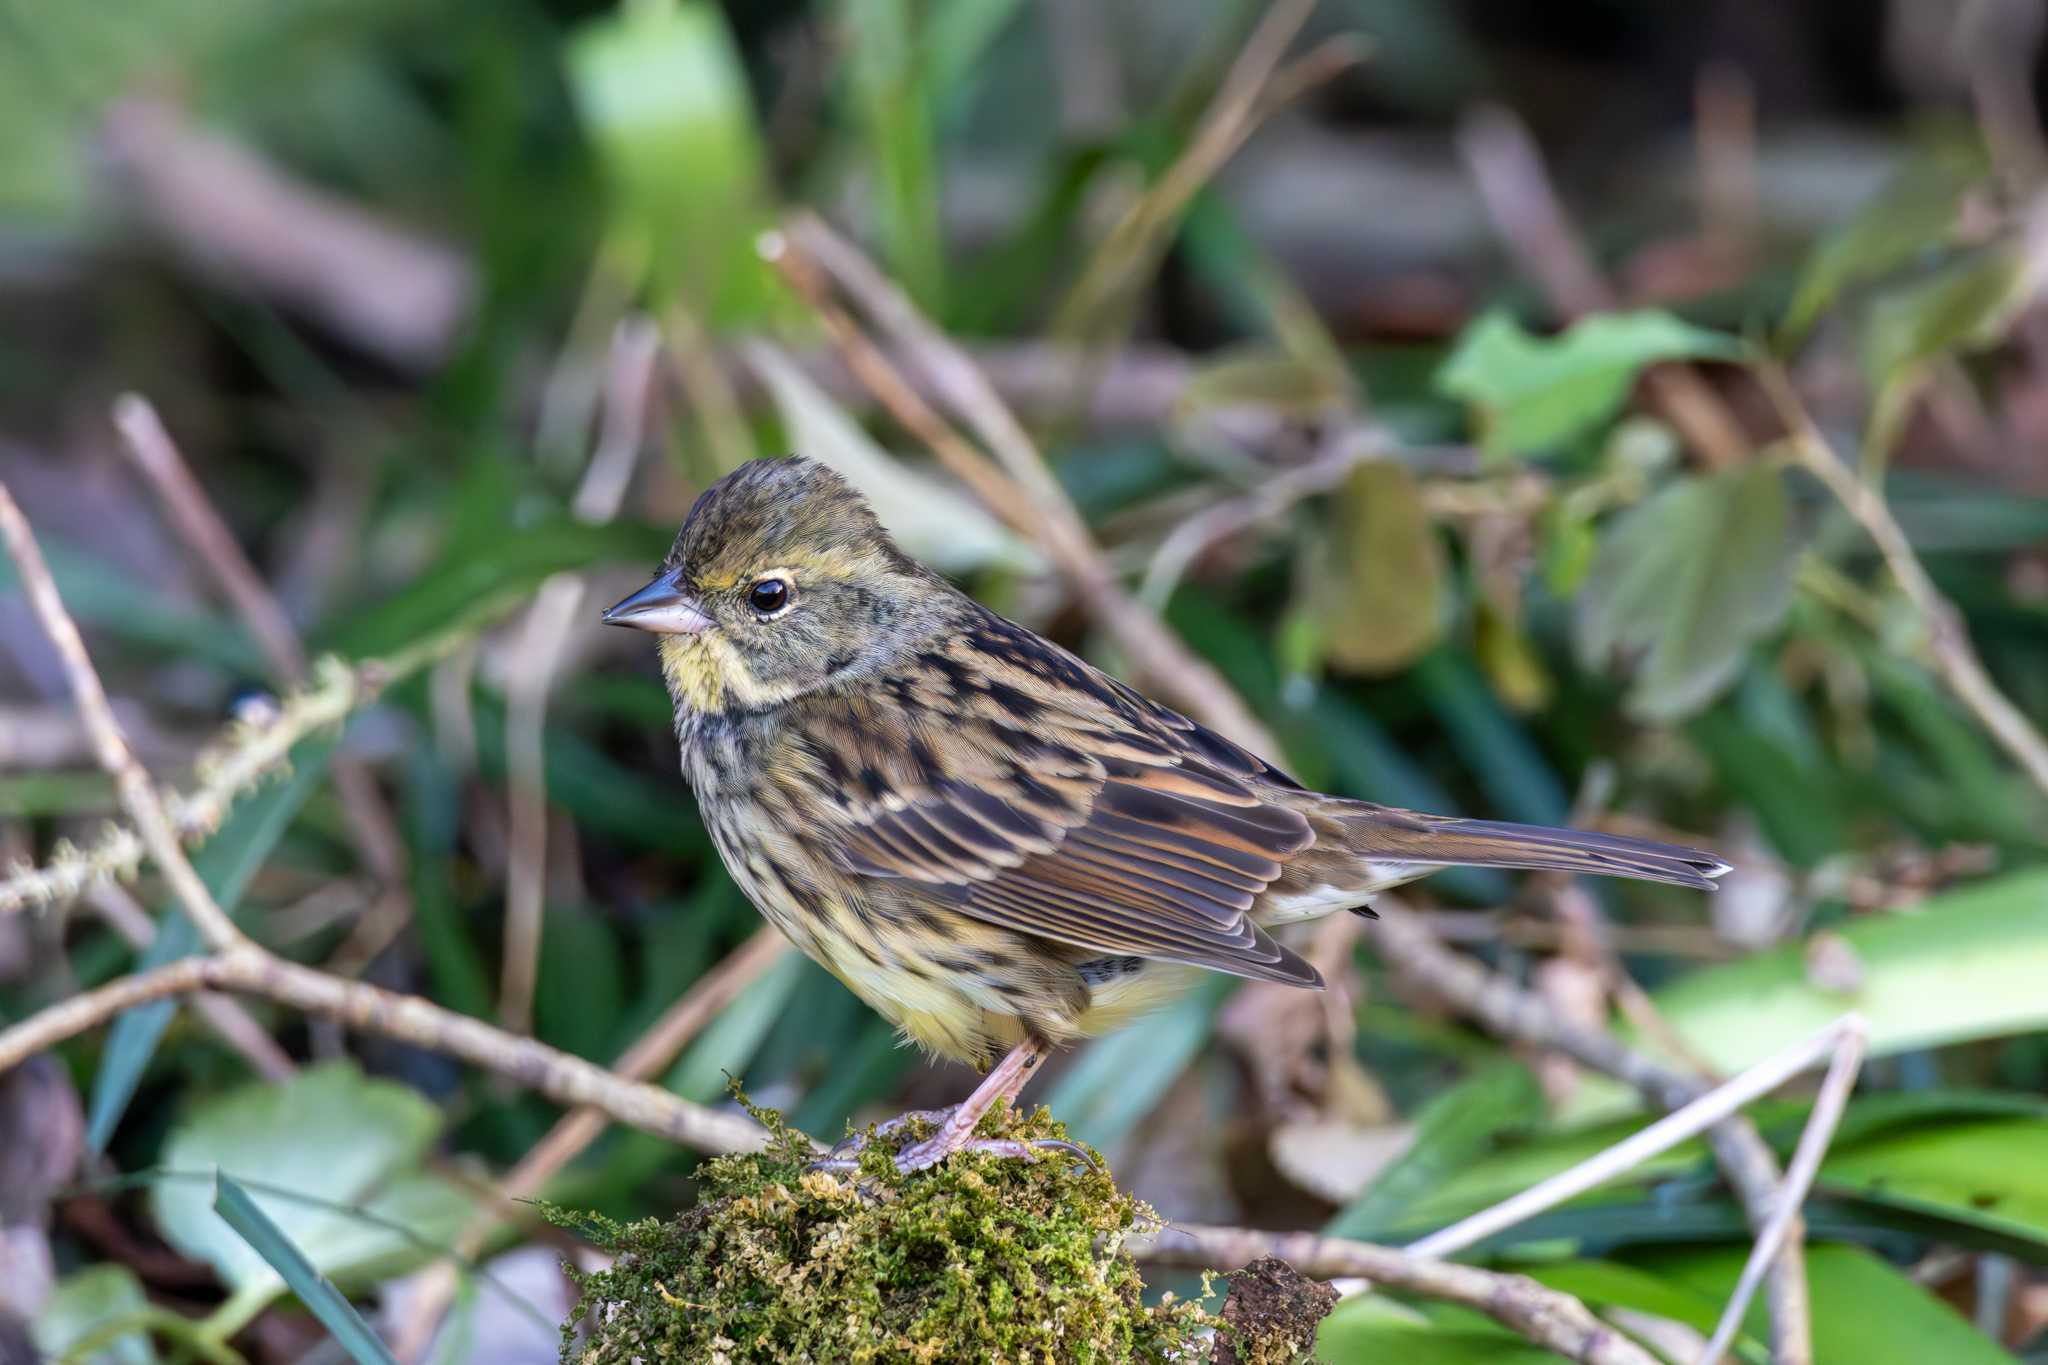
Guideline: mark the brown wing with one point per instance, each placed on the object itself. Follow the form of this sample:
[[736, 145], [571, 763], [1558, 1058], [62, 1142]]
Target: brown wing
[[1008, 780]]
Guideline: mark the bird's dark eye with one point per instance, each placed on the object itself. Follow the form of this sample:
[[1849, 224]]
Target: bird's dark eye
[[768, 596]]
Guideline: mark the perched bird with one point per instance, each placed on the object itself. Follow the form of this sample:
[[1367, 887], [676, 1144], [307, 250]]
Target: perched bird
[[992, 843]]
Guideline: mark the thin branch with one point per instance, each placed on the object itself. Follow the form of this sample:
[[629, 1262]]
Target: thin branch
[[575, 1131], [1843, 1038], [1551, 1319], [138, 795], [1851, 1039], [629, 377], [249, 752], [1948, 642], [1508, 1011], [250, 970], [1033, 501]]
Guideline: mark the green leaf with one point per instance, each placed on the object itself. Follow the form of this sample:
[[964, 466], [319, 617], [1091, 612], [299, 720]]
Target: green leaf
[[663, 96], [1117, 1080], [1486, 1180], [1534, 395], [1964, 965], [1965, 305], [1990, 1172], [350, 1143], [1916, 211], [887, 61], [582, 986], [1612, 1284], [478, 580], [1451, 1130], [730, 1041], [1685, 582], [1379, 590], [315, 1290], [226, 863], [1370, 1329], [1863, 1310], [92, 1304]]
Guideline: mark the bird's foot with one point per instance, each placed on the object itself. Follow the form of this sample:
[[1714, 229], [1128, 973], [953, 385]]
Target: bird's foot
[[952, 1136], [920, 1156]]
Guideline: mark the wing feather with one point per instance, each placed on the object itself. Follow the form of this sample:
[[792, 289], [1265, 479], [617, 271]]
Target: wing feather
[[1010, 781]]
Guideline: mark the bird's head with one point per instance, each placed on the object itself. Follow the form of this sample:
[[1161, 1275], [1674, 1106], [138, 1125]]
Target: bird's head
[[781, 582]]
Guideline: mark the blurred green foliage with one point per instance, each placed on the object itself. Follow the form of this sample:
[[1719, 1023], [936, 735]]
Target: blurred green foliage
[[1541, 605]]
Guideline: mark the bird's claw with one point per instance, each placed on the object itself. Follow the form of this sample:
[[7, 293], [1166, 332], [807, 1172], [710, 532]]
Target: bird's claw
[[844, 1158]]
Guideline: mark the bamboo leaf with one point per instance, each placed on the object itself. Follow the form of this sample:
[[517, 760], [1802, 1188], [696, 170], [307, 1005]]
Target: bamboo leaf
[[313, 1289]]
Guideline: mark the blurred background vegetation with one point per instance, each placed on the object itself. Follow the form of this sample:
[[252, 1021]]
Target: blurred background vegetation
[[1297, 360]]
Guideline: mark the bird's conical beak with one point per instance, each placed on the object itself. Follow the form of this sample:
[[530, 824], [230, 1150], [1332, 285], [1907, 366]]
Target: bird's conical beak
[[662, 607]]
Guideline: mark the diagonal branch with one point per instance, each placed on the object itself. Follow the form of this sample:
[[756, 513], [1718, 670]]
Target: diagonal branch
[[110, 746]]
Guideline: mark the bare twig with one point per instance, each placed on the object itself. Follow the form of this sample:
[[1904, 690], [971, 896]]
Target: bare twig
[[573, 1132], [1851, 1037], [1948, 642], [238, 964], [249, 970], [1545, 1316], [1188, 541], [1023, 491], [1251, 89], [1508, 1011], [138, 795], [537, 653]]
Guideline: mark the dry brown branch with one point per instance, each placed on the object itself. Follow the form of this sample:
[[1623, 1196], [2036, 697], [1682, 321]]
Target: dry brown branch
[[1023, 492], [1949, 648], [249, 970], [537, 652], [575, 1131], [1545, 1316], [138, 795], [156, 456], [1506, 1010]]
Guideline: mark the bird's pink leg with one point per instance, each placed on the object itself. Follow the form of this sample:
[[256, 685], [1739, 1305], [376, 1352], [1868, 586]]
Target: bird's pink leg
[[957, 1125]]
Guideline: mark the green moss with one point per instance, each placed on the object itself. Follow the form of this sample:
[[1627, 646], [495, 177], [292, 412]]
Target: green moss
[[980, 1258]]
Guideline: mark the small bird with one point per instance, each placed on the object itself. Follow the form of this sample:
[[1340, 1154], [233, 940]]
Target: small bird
[[994, 844]]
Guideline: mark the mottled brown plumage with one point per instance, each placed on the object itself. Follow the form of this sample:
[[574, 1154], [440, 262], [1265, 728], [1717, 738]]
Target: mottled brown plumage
[[990, 841]]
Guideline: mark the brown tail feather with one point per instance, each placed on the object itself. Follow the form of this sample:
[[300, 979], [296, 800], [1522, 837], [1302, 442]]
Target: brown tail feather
[[1381, 833]]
